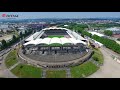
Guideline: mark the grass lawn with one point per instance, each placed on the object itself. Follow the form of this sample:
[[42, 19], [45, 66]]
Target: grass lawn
[[11, 59], [83, 70], [98, 56], [27, 71], [56, 74], [52, 36]]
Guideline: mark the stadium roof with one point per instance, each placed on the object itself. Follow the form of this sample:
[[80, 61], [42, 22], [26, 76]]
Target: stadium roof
[[35, 38], [45, 41], [32, 36], [30, 42], [75, 41], [54, 40], [55, 28], [75, 35], [65, 40]]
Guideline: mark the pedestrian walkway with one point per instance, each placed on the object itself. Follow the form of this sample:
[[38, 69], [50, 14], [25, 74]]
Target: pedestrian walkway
[[96, 63], [14, 66], [44, 73], [68, 73], [8, 74]]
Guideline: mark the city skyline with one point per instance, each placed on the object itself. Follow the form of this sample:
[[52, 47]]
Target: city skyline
[[38, 15]]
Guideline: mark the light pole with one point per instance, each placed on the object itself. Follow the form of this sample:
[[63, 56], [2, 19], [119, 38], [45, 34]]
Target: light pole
[[20, 42]]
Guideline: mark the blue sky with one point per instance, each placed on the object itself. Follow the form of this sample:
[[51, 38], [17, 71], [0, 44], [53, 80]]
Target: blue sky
[[33, 15]]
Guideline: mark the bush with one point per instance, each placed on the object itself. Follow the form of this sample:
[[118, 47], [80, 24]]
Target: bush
[[108, 32], [95, 58], [98, 56]]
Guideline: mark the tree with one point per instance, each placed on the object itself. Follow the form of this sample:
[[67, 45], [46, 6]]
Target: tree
[[95, 58], [111, 44], [108, 32], [21, 35], [118, 39], [4, 44], [25, 32], [14, 38]]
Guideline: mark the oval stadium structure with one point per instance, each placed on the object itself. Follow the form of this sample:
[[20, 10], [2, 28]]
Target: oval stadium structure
[[55, 48]]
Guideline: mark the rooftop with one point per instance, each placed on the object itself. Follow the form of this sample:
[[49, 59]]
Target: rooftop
[[113, 29], [96, 33]]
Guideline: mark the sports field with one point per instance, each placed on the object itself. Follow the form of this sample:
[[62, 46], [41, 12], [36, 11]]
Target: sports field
[[52, 36]]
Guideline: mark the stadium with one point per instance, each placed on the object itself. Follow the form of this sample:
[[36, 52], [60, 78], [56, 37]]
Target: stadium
[[55, 48]]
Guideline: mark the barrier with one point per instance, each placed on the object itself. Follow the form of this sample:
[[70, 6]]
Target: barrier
[[62, 64]]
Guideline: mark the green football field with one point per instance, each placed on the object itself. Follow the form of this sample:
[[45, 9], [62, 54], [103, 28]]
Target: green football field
[[52, 36]]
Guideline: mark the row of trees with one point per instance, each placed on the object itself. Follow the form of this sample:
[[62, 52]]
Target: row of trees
[[80, 29], [14, 39], [108, 25], [111, 44], [108, 32]]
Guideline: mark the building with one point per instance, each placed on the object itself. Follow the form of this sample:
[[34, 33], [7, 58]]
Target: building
[[55, 47], [96, 33], [58, 37], [22, 29], [37, 26], [66, 25], [5, 28], [115, 30]]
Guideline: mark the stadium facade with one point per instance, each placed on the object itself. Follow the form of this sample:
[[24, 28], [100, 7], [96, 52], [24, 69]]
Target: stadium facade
[[55, 47]]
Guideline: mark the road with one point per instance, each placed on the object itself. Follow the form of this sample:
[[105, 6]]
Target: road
[[110, 68]]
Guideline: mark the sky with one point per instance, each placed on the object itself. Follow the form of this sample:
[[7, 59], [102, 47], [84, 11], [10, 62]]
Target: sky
[[35, 15]]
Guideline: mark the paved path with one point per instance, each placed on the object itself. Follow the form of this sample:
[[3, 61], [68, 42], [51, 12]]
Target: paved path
[[110, 68], [44, 73], [8, 74], [96, 63], [68, 73], [14, 65]]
